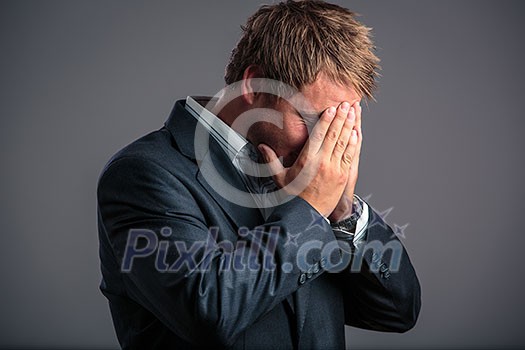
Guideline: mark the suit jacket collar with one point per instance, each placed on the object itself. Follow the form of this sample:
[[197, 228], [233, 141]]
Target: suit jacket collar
[[182, 125]]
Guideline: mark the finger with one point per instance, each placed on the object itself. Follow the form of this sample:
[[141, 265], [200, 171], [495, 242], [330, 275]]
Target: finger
[[272, 161], [359, 131], [358, 110], [359, 144], [317, 136], [357, 128], [344, 136], [355, 151], [349, 154], [334, 131]]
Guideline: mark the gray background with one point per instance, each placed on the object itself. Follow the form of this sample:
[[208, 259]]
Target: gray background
[[443, 147]]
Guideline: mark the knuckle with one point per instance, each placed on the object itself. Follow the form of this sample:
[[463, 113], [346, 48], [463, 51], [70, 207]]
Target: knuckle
[[324, 166], [317, 136], [347, 158], [331, 135], [341, 144]]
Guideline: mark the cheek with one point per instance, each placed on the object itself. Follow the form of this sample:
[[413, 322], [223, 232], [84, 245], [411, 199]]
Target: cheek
[[293, 141], [296, 136]]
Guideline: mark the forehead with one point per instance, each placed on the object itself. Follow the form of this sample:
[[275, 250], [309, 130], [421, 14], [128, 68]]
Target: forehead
[[323, 93]]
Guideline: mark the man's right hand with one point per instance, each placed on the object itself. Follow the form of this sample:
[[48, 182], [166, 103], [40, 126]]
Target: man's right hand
[[320, 173]]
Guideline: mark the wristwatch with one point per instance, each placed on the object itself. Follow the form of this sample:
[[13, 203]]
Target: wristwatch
[[345, 229]]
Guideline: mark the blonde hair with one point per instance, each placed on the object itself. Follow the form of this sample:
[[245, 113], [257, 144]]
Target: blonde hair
[[293, 41]]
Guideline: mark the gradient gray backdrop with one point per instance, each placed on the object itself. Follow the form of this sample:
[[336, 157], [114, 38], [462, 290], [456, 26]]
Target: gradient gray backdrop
[[443, 146]]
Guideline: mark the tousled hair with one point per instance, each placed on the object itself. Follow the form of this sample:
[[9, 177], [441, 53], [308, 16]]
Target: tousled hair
[[294, 41]]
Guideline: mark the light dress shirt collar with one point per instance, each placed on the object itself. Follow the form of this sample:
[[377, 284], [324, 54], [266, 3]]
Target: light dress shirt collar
[[230, 141]]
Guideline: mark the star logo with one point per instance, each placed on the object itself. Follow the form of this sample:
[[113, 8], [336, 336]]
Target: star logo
[[367, 198], [377, 218], [291, 239], [399, 231], [383, 214], [317, 220]]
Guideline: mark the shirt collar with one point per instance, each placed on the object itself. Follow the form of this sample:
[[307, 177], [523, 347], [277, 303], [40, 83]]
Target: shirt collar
[[230, 141]]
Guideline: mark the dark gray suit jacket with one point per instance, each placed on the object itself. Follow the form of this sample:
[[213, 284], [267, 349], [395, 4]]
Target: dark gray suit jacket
[[213, 297]]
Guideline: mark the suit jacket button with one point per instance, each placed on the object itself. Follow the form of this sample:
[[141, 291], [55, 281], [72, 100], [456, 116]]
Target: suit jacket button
[[302, 278]]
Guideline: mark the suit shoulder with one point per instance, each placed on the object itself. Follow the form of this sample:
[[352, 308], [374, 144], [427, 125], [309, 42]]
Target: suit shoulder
[[154, 147], [151, 159]]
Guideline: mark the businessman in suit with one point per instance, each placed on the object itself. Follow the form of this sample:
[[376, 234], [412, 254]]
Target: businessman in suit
[[236, 224]]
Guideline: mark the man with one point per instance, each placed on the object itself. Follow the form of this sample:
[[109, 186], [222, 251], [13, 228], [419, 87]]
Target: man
[[236, 224]]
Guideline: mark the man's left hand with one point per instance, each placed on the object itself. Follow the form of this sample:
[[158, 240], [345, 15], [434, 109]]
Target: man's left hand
[[343, 210]]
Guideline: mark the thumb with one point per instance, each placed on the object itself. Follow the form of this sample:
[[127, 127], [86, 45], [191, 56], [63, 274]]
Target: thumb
[[272, 161]]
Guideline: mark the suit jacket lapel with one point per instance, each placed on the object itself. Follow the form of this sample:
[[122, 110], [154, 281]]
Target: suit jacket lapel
[[216, 172], [218, 176]]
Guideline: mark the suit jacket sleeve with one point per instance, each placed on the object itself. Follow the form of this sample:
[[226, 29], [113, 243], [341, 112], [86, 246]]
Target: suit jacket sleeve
[[382, 291], [199, 298]]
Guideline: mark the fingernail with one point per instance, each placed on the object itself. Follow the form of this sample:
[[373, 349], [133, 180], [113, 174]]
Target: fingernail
[[351, 115], [331, 111], [345, 106]]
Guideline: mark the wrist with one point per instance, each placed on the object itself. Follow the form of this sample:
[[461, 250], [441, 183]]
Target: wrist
[[343, 210], [347, 225]]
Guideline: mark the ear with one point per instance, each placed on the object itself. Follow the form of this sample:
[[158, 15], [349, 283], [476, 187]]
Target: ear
[[250, 86]]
